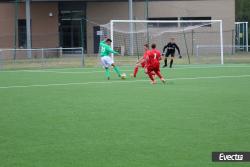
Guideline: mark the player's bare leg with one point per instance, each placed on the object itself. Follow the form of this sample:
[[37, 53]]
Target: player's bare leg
[[146, 70], [153, 73]]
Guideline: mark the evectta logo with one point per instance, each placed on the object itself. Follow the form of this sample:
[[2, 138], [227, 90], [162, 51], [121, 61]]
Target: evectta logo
[[234, 157], [231, 156]]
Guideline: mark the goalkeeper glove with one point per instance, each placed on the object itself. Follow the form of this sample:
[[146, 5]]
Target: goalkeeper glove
[[180, 56]]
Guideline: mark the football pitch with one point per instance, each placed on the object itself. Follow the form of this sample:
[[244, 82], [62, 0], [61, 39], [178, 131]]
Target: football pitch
[[75, 117]]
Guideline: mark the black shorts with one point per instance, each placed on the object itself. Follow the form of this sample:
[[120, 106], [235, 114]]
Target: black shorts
[[170, 53]]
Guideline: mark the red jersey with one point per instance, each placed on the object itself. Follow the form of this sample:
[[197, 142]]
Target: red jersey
[[146, 53], [143, 62], [154, 58]]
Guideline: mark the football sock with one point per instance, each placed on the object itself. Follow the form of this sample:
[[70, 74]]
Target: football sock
[[166, 62], [171, 63], [151, 76], [158, 73], [136, 70], [117, 71], [107, 72]]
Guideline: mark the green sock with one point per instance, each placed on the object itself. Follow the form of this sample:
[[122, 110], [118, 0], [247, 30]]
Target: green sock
[[107, 72], [117, 71]]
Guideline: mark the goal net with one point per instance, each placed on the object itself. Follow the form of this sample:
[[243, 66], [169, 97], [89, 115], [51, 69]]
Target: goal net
[[129, 36], [233, 54], [41, 58]]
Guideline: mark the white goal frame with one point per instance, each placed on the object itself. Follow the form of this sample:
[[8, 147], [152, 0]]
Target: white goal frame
[[172, 21]]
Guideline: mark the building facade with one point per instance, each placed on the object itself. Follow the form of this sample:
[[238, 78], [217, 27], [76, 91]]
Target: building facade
[[76, 23]]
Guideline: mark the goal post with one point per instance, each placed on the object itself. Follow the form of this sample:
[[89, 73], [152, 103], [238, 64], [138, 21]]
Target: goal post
[[191, 32]]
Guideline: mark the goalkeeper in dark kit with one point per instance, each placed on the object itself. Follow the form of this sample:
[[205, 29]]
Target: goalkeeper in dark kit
[[171, 46]]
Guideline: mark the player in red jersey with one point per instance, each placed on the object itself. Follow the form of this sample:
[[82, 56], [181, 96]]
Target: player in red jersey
[[153, 64], [142, 61]]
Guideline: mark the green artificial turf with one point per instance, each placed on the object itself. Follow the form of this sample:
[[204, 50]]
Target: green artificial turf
[[77, 118]]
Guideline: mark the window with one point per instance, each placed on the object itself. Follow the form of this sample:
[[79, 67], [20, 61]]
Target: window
[[22, 34]]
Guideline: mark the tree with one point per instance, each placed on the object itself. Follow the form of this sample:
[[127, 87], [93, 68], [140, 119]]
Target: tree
[[242, 11]]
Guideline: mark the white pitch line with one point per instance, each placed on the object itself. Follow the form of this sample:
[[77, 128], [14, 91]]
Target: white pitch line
[[59, 71], [77, 72], [205, 67], [111, 82], [215, 77], [67, 84]]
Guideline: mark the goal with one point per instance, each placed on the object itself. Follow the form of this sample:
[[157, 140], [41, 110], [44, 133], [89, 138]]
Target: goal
[[129, 36]]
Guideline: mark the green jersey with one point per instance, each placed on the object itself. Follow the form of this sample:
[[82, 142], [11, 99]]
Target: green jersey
[[106, 49]]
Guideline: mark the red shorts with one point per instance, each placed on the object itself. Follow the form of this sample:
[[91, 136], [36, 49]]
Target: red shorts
[[153, 68]]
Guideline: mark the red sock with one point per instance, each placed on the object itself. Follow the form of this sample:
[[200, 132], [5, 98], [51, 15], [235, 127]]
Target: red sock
[[136, 70], [151, 76], [158, 73]]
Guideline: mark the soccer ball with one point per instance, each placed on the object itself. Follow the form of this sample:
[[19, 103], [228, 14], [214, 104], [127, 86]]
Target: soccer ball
[[123, 76]]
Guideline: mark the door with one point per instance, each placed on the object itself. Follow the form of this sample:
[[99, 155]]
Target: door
[[96, 38], [71, 33]]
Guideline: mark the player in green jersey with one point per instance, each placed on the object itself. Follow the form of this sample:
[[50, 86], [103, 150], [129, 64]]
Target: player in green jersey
[[107, 61]]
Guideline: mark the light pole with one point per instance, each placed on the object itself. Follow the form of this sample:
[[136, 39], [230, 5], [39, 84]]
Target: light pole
[[27, 9], [131, 36]]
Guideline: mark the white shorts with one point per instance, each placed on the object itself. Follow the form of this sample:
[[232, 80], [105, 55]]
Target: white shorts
[[106, 61]]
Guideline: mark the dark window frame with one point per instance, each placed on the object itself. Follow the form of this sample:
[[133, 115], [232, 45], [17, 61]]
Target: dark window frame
[[22, 33], [208, 24], [161, 25]]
